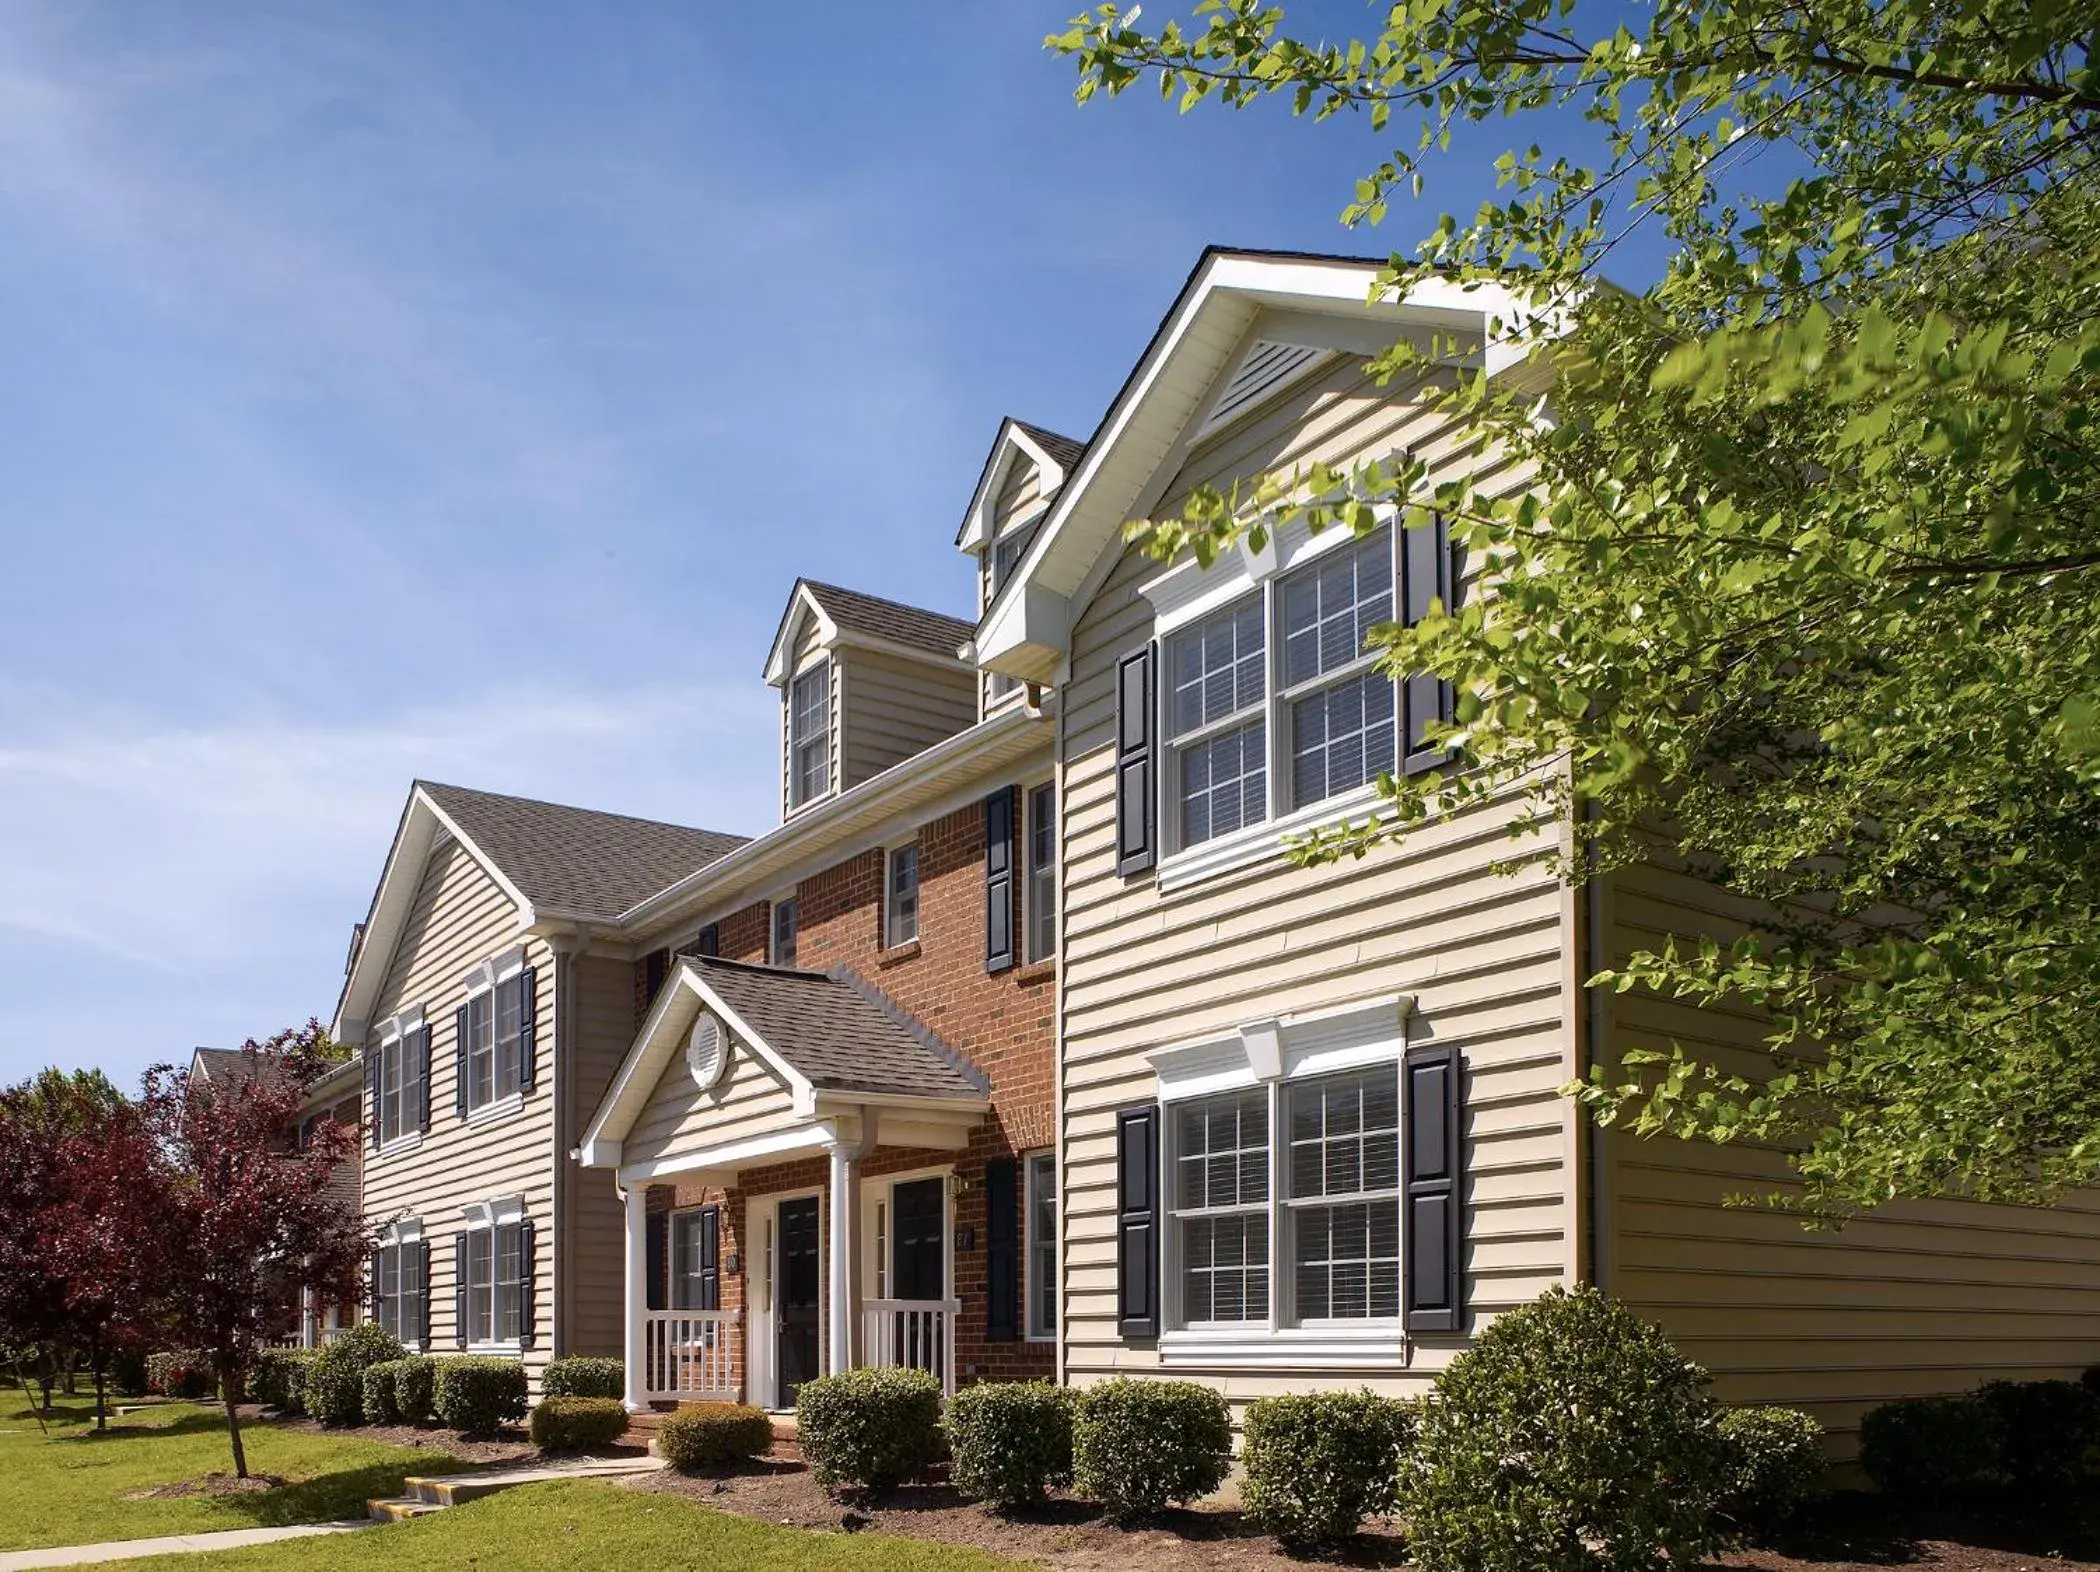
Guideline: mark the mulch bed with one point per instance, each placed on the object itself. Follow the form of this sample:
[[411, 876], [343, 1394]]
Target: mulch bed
[[209, 1485], [506, 1446], [1850, 1533]]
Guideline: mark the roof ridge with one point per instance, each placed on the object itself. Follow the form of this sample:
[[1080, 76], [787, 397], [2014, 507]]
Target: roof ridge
[[573, 807], [767, 967], [927, 1037], [885, 600]]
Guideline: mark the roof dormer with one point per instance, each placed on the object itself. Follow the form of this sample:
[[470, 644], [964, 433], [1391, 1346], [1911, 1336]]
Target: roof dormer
[[864, 683], [1024, 472]]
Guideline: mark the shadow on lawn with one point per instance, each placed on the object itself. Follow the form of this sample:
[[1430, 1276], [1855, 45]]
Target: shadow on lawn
[[329, 1497], [1867, 1530]]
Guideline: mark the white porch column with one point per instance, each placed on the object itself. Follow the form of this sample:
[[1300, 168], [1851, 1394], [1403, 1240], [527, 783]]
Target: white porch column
[[637, 1294], [845, 1229]]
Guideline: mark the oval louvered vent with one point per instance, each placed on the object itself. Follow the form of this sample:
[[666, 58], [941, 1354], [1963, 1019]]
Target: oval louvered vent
[[1268, 367], [703, 1052]]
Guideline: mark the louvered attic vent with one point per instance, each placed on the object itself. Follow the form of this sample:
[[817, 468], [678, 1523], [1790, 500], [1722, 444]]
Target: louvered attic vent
[[1267, 368]]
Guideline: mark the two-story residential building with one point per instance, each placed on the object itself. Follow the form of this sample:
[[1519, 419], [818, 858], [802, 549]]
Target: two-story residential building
[[1310, 1132]]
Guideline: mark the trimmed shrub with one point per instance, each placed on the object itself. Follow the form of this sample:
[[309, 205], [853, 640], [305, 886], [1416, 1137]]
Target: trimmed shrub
[[335, 1378], [1927, 1446], [379, 1393], [415, 1394], [708, 1435], [127, 1372], [1621, 1455], [1010, 1441], [181, 1372], [1775, 1466], [2044, 1428], [569, 1424], [581, 1377], [1319, 1464], [1139, 1444], [869, 1428], [277, 1378], [477, 1395]]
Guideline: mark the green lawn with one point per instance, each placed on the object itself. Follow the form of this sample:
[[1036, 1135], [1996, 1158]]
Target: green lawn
[[69, 1488], [555, 1528]]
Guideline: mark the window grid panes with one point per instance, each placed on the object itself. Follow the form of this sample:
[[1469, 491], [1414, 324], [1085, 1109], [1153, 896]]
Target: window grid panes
[[1344, 1185], [809, 734], [510, 1016], [400, 1291], [481, 1053], [1221, 1204], [1342, 734], [1042, 1245], [1342, 737], [480, 1284], [785, 915], [393, 1060], [509, 1282], [1041, 935], [901, 911], [496, 1042]]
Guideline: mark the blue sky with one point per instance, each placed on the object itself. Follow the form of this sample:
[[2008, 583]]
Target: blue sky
[[392, 390]]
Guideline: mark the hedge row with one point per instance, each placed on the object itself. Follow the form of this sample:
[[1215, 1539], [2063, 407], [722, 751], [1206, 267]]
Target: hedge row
[[2024, 1437]]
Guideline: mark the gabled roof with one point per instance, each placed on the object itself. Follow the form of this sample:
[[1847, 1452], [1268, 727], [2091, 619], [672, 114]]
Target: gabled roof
[[1066, 450], [820, 1033], [578, 860], [1053, 456], [553, 862], [847, 616], [1340, 302]]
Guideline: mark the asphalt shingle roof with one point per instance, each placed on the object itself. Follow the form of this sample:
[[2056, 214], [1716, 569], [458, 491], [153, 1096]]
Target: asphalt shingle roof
[[840, 1031], [578, 859], [1066, 450], [915, 626]]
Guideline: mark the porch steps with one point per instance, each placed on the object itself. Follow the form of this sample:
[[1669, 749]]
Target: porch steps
[[439, 1491]]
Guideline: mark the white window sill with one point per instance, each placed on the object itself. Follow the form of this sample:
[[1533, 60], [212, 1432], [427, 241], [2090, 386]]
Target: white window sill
[[502, 1108], [1260, 843], [1378, 1345], [400, 1145], [510, 1350]]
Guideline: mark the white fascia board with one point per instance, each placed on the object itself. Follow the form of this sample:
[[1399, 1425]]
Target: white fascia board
[[769, 1148], [1011, 443], [804, 604], [826, 825]]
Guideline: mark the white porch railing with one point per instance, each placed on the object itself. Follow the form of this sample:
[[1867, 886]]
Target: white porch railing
[[687, 1354], [918, 1333]]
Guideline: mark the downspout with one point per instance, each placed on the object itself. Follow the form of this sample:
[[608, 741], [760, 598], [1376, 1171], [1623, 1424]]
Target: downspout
[[1594, 1006]]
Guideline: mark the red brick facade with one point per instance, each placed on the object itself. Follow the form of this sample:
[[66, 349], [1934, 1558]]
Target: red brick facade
[[1004, 1023]]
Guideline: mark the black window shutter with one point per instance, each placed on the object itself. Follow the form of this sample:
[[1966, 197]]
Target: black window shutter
[[1002, 1253], [656, 966], [1137, 1221], [999, 880], [1433, 1163], [657, 1254], [459, 1290], [528, 1280], [1428, 571], [420, 1051], [1137, 837], [528, 1042], [459, 1063], [710, 940], [711, 1259], [423, 1289], [375, 1072]]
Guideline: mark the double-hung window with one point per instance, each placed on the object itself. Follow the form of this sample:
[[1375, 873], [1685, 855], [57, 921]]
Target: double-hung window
[[785, 921], [494, 1276], [493, 1040], [695, 1269], [1217, 721], [900, 901], [401, 1285], [1040, 929], [809, 735], [1329, 1218], [1042, 1246], [1342, 709], [399, 1067]]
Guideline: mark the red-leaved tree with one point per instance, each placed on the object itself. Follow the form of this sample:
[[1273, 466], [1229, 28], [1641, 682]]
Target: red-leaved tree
[[249, 1220]]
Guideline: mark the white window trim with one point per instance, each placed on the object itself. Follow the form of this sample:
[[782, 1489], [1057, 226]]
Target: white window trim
[[1030, 955], [891, 939], [1030, 1189], [831, 759], [408, 1231], [394, 1031], [1186, 594], [1273, 1054], [484, 979], [488, 1216]]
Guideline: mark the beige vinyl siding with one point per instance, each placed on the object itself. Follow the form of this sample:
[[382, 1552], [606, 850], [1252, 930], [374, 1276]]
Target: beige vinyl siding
[[1486, 956], [1914, 1298], [1021, 490], [895, 707], [459, 919], [750, 1100], [601, 1011]]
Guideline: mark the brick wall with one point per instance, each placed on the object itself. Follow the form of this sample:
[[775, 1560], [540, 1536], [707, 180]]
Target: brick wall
[[1003, 1023]]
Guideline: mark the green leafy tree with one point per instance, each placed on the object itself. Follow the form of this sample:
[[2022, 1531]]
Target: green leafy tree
[[1810, 575]]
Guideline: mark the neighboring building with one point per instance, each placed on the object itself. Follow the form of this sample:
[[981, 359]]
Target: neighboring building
[[336, 1095], [834, 1125], [1311, 1133]]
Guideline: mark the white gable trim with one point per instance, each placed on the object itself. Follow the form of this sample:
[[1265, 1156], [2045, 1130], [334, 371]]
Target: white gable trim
[[802, 605], [1012, 443], [407, 860], [660, 1041]]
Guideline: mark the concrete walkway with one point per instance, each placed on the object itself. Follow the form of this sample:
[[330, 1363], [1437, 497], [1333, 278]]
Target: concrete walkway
[[133, 1549]]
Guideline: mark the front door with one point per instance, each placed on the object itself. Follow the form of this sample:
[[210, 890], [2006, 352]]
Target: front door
[[798, 1297]]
